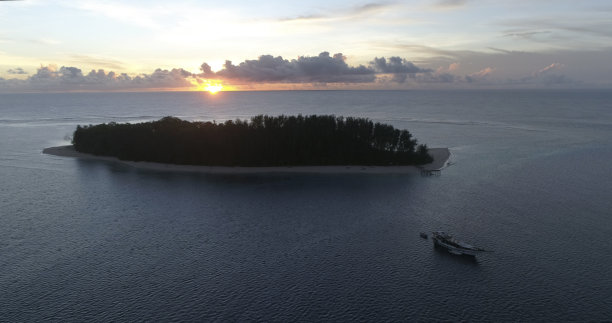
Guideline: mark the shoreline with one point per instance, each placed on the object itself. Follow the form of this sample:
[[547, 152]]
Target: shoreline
[[440, 156]]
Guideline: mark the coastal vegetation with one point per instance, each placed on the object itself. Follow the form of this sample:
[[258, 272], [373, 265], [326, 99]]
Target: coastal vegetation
[[261, 141]]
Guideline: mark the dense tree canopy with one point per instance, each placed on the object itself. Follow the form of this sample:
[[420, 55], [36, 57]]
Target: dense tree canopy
[[261, 141]]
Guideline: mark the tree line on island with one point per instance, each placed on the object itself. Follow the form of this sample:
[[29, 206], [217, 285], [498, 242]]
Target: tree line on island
[[261, 141]]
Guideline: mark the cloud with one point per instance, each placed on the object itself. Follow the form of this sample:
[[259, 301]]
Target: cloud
[[396, 65], [427, 51], [452, 67], [97, 61], [17, 70], [399, 67], [368, 10], [450, 4], [526, 34], [587, 31], [69, 78], [548, 69], [322, 69], [470, 69], [482, 73], [305, 69], [479, 76], [438, 78], [548, 75], [267, 69], [505, 51], [303, 18], [590, 67]]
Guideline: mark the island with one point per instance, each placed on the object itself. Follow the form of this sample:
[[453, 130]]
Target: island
[[273, 143]]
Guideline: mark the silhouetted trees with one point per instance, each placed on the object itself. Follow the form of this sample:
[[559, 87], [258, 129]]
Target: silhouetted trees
[[262, 141]]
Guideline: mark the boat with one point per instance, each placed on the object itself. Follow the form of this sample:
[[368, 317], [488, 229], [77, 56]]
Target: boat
[[445, 240], [423, 235]]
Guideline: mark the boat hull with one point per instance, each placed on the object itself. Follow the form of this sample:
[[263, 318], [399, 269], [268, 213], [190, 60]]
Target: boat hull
[[456, 251]]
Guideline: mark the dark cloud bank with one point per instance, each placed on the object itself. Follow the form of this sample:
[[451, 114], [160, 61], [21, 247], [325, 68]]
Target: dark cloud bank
[[267, 69], [311, 69]]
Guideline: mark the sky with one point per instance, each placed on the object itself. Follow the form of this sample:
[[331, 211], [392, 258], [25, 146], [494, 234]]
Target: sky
[[56, 45]]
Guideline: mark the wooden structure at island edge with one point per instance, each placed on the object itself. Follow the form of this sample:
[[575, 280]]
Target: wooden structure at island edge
[[441, 158]]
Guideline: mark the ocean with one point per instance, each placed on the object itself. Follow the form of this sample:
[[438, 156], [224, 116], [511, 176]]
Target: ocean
[[87, 240]]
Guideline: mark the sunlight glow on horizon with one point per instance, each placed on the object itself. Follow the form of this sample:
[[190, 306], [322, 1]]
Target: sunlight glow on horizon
[[210, 86], [214, 88]]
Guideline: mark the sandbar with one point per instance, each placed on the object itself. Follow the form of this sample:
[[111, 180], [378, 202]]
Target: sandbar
[[440, 156]]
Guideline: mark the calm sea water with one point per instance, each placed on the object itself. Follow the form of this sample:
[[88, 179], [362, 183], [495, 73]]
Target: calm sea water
[[91, 240]]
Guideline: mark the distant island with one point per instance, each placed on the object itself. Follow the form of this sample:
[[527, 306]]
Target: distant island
[[262, 141]]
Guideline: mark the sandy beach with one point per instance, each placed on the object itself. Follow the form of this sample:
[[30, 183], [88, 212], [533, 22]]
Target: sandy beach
[[440, 155]]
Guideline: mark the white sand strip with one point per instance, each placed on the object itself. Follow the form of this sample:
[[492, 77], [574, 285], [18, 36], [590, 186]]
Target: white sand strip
[[440, 159], [440, 156]]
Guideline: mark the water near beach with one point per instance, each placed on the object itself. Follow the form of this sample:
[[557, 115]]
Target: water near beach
[[531, 179]]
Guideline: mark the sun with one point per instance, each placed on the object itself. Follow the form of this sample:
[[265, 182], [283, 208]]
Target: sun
[[213, 88], [210, 86]]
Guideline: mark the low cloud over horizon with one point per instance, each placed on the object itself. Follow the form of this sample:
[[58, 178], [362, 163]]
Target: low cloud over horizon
[[322, 69], [271, 72], [68, 78]]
